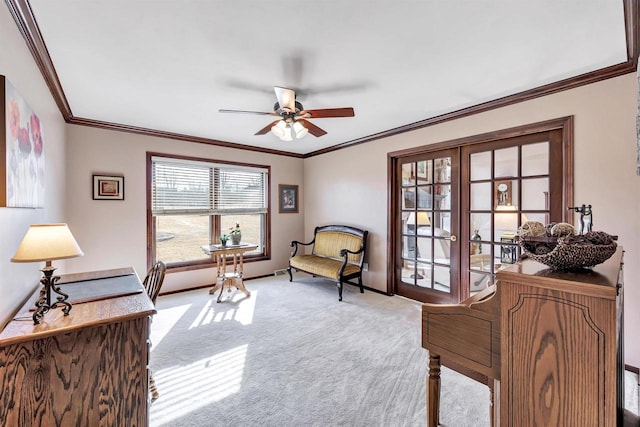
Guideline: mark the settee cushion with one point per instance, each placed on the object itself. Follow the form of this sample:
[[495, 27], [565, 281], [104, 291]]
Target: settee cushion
[[322, 266], [330, 243]]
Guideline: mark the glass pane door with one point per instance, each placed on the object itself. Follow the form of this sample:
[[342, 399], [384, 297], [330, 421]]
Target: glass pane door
[[455, 211], [428, 240], [508, 185]]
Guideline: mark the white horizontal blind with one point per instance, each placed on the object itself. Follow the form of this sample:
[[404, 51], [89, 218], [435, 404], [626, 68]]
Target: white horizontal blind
[[186, 187], [239, 190], [181, 188]]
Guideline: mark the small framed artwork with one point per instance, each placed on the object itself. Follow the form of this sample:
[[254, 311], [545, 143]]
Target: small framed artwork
[[503, 193], [422, 170], [288, 195], [108, 187]]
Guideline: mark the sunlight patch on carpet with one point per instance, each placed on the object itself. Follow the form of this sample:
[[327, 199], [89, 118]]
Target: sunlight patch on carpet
[[238, 308], [187, 388], [165, 320]]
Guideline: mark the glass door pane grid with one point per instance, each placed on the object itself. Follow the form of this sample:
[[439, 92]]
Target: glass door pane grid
[[417, 211], [506, 215], [426, 220]]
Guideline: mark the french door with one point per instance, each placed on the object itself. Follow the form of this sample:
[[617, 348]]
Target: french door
[[505, 184], [456, 209], [429, 255]]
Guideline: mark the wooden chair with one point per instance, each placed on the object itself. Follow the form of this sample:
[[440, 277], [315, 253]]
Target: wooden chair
[[152, 283]]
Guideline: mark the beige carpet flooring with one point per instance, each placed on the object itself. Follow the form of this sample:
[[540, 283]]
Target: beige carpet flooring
[[292, 355]]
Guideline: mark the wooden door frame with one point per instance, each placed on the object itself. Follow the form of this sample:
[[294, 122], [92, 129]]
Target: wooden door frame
[[565, 124]]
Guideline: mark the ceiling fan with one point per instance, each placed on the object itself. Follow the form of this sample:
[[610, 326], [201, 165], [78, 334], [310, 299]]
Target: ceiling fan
[[293, 117]]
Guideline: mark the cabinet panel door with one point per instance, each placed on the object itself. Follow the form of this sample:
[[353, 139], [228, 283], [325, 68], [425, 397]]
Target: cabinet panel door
[[556, 358]]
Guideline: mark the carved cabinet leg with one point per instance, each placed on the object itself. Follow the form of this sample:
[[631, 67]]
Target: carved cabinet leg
[[433, 391]]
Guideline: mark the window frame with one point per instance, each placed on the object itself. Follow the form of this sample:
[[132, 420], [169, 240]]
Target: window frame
[[214, 219]]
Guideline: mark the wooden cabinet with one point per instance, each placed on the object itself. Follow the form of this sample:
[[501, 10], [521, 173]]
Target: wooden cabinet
[[561, 345], [87, 368]]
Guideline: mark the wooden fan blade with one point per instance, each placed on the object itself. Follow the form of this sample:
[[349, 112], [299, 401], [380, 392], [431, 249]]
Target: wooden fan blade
[[313, 129], [286, 98], [266, 129], [328, 112], [262, 113]]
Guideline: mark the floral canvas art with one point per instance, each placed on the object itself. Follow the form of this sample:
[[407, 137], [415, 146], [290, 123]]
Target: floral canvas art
[[23, 137]]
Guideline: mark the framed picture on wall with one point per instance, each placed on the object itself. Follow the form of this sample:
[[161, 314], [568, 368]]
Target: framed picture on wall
[[288, 198], [108, 187], [422, 170], [22, 150]]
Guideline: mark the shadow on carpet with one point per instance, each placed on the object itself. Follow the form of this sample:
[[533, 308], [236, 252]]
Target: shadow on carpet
[[292, 355]]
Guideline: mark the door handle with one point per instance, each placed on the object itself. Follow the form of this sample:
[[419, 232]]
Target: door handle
[[453, 238]]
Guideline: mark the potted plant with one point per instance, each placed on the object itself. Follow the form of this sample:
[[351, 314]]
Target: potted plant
[[235, 234], [223, 239]]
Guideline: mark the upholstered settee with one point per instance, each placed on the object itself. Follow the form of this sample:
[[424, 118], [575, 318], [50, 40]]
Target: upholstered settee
[[337, 253]]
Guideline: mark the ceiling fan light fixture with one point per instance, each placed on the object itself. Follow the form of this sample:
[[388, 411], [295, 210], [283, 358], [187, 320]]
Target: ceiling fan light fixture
[[300, 130], [290, 112], [287, 134], [279, 129]]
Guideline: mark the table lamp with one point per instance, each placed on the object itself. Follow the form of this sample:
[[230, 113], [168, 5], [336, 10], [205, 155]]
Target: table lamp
[[506, 219], [47, 242], [419, 220]]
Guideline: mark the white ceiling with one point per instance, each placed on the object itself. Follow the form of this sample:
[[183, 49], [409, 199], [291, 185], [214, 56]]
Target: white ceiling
[[170, 65]]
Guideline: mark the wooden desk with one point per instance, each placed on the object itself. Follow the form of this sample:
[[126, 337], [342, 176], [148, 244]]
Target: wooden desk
[[224, 279], [554, 340], [87, 368]]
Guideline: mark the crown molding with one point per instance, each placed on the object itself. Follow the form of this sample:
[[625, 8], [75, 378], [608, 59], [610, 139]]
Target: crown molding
[[632, 29], [562, 85], [28, 27], [176, 136]]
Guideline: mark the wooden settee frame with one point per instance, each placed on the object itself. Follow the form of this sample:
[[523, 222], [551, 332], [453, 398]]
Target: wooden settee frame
[[342, 264]]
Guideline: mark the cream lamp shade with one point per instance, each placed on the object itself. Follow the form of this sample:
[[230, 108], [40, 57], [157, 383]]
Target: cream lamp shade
[[422, 219], [506, 218], [47, 242]]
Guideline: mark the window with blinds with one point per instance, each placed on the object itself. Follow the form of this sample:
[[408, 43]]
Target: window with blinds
[[180, 187], [195, 201]]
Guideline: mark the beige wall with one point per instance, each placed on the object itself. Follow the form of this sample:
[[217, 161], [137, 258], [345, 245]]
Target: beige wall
[[17, 281], [114, 233], [355, 192]]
